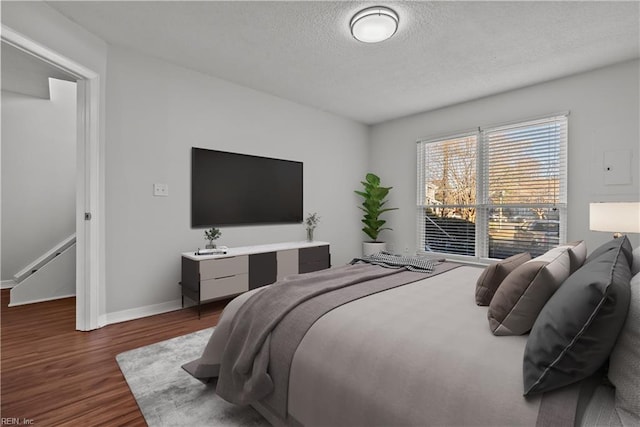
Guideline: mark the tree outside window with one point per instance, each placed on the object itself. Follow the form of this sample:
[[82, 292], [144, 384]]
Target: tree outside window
[[486, 193]]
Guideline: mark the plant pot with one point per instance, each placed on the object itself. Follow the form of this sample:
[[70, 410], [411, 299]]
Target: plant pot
[[309, 234], [210, 246], [370, 248]]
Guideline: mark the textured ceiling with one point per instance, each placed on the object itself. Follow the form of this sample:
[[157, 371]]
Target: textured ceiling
[[443, 53]]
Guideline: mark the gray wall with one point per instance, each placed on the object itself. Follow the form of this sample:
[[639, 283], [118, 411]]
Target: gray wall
[[38, 174], [155, 113], [604, 111]]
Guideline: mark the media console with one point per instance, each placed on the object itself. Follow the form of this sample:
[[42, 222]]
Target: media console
[[213, 277]]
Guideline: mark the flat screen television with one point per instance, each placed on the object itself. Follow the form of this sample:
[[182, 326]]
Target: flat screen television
[[231, 189]]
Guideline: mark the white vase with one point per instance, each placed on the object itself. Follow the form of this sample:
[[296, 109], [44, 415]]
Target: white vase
[[370, 248]]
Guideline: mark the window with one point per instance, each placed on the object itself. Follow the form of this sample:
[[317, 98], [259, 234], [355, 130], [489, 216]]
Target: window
[[494, 192], [448, 206]]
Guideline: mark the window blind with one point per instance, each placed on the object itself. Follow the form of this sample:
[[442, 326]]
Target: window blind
[[525, 178], [448, 184], [494, 192]]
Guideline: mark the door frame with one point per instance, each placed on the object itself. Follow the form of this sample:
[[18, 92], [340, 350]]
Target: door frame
[[89, 257]]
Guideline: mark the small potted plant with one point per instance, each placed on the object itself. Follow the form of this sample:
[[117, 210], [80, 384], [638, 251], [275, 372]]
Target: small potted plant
[[211, 235], [311, 223], [374, 199]]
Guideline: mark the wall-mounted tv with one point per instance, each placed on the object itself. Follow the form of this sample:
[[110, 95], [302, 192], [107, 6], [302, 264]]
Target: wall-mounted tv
[[231, 189]]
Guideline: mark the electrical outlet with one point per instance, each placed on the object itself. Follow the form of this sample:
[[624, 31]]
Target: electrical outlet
[[161, 190]]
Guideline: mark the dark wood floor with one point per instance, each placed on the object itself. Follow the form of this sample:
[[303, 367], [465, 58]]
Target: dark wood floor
[[56, 376]]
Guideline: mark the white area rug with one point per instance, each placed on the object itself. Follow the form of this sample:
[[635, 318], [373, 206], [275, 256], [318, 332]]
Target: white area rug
[[168, 396]]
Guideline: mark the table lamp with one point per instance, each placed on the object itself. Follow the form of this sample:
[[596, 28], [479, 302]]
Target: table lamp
[[616, 217]]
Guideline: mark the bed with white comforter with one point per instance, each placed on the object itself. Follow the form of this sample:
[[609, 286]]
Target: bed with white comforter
[[416, 354]]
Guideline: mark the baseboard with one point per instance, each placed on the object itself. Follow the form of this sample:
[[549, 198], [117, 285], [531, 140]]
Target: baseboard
[[7, 284], [137, 313], [40, 300]]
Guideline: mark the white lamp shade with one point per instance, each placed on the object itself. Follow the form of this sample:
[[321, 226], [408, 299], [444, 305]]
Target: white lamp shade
[[374, 24], [615, 217]]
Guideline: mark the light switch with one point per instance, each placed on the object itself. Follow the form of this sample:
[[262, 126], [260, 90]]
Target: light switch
[[161, 190]]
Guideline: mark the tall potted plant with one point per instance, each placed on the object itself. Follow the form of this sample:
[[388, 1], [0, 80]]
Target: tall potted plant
[[373, 206]]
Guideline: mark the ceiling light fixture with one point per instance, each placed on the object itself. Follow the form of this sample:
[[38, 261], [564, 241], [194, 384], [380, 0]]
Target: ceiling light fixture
[[374, 24]]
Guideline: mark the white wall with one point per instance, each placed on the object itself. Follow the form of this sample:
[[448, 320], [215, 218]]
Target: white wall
[[44, 25], [38, 174], [155, 113], [39, 22], [604, 115]]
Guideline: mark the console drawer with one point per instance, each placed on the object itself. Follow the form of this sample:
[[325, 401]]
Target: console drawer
[[224, 286], [314, 259], [223, 267], [287, 263]]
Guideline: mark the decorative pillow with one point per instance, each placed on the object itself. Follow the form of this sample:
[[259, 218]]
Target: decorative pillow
[[624, 364], [578, 327], [494, 274], [635, 264], [517, 302], [613, 244], [577, 254]]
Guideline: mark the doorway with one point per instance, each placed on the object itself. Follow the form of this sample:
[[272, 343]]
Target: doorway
[[89, 210]]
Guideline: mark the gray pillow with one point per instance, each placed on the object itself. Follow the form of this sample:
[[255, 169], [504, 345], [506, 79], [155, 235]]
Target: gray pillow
[[613, 244], [635, 264], [577, 328], [517, 302], [494, 274], [577, 254], [624, 364]]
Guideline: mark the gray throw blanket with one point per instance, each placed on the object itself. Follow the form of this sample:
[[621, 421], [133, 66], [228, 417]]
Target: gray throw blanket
[[243, 371]]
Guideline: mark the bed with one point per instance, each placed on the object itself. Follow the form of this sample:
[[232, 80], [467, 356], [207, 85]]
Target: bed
[[417, 350]]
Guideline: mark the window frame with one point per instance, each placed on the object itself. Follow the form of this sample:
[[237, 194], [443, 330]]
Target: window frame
[[482, 202]]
